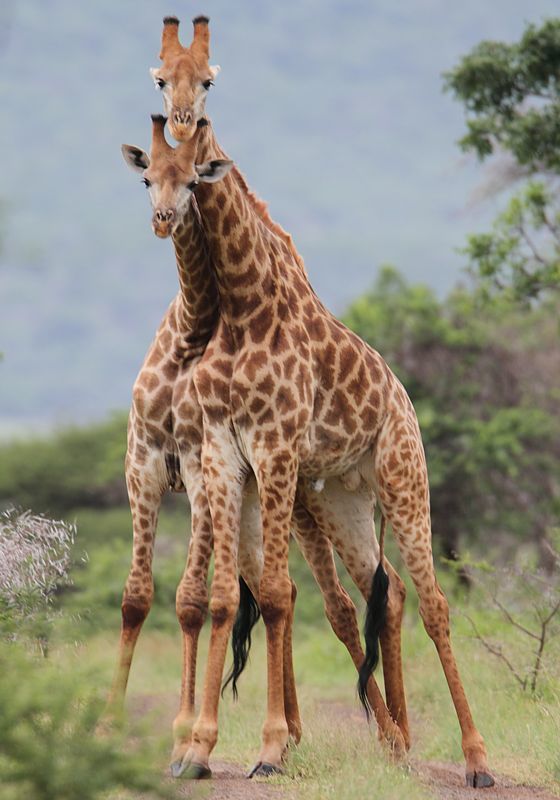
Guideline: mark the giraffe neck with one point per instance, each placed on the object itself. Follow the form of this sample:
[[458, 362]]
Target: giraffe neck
[[197, 309], [253, 258]]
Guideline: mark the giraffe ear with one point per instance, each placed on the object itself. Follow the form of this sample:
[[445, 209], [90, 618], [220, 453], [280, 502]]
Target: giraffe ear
[[212, 171], [214, 71], [136, 159]]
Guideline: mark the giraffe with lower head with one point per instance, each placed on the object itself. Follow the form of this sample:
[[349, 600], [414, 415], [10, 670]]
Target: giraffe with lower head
[[306, 396], [164, 442], [165, 433]]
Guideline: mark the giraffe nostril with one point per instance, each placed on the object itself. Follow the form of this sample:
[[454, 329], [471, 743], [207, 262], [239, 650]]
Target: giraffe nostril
[[182, 117], [166, 215]]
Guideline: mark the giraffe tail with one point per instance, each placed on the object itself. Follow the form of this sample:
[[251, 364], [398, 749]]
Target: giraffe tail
[[376, 614], [247, 616]]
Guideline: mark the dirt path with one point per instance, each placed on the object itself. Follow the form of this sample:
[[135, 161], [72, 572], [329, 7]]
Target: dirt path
[[229, 783], [444, 780], [447, 781]]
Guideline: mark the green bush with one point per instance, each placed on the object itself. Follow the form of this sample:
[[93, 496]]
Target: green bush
[[49, 749], [71, 468], [485, 390]]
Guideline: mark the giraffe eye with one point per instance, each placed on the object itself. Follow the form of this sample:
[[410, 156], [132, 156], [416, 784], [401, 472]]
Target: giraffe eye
[[160, 83], [146, 182], [207, 84]]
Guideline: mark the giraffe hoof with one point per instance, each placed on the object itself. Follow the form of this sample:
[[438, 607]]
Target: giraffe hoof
[[264, 770], [479, 780], [176, 768], [197, 772], [190, 770]]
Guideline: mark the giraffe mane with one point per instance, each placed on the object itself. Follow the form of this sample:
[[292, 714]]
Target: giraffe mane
[[260, 207]]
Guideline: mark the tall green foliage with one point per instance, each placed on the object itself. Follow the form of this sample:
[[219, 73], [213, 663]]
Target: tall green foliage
[[511, 93], [49, 749], [485, 391], [74, 467]]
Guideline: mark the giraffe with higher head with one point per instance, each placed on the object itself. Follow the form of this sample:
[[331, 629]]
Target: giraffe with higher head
[[308, 398], [165, 431], [185, 79]]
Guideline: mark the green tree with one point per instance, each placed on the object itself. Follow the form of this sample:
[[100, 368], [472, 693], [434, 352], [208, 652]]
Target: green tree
[[484, 388], [511, 93]]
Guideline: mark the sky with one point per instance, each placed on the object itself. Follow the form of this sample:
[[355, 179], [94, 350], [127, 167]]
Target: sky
[[333, 110]]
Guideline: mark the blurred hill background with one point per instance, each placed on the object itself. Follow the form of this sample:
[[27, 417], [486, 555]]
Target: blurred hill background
[[334, 110]]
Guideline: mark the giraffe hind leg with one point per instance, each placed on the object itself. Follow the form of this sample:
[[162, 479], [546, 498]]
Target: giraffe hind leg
[[308, 527], [402, 489], [390, 641]]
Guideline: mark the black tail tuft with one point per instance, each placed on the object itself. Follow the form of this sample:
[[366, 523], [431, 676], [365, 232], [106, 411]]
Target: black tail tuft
[[376, 614], [247, 615]]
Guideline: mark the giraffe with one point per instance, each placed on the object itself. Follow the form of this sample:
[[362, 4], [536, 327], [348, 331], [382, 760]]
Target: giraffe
[[185, 79], [306, 397], [182, 428], [164, 443]]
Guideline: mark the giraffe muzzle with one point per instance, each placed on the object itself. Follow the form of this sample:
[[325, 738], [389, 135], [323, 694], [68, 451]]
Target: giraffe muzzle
[[182, 117], [163, 222], [182, 125]]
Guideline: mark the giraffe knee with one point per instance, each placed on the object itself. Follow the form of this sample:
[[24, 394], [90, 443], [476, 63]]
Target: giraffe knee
[[137, 597], [135, 609], [223, 606], [191, 617], [191, 606], [275, 598]]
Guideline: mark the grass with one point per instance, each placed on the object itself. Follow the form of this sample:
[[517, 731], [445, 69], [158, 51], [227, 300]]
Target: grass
[[337, 757]]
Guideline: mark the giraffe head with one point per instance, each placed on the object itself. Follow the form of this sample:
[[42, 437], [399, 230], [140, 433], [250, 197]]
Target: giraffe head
[[185, 76], [171, 176]]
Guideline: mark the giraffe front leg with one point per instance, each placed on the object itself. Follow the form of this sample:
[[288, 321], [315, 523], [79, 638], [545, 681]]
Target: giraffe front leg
[[224, 492], [291, 705], [144, 492], [191, 607], [250, 567], [276, 478]]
